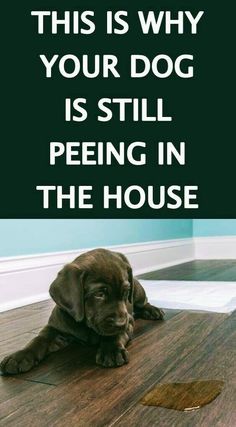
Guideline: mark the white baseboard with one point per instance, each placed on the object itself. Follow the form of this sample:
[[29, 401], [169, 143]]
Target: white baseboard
[[26, 279], [219, 247]]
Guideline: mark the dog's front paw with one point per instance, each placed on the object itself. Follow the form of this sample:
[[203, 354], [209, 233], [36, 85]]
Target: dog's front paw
[[150, 312], [112, 358], [19, 362]]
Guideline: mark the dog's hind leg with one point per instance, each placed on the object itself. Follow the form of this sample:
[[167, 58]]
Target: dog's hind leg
[[48, 341], [142, 308]]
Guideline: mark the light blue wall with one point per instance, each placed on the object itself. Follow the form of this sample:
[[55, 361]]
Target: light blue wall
[[214, 227], [20, 237], [26, 237]]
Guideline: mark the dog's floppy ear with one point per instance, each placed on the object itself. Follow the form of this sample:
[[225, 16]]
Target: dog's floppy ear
[[131, 281], [130, 275], [68, 292]]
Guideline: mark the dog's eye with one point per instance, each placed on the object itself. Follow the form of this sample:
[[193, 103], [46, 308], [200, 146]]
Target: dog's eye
[[100, 294]]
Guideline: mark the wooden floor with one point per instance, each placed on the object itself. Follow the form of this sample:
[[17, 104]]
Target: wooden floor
[[68, 389], [217, 270]]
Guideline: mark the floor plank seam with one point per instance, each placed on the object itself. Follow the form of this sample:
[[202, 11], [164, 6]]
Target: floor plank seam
[[39, 382]]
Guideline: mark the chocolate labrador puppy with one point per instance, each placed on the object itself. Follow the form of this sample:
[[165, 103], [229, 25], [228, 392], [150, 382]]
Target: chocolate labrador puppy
[[96, 297]]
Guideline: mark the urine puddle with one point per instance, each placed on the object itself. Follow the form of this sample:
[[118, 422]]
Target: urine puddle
[[186, 397]]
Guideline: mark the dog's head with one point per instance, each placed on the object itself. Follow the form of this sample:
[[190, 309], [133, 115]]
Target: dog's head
[[97, 288]]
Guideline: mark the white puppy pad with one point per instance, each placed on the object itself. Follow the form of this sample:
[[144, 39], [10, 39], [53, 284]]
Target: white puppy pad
[[218, 297]]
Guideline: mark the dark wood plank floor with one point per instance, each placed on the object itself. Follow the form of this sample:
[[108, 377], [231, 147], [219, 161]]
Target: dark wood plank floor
[[68, 389], [216, 270]]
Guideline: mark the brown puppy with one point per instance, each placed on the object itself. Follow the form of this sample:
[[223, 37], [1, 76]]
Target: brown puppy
[[96, 297]]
